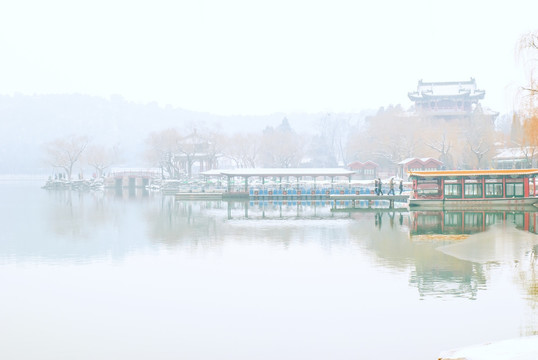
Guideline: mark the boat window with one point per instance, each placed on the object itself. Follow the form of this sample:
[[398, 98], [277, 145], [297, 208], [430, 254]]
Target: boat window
[[494, 190], [473, 190], [516, 190], [453, 190], [428, 188]]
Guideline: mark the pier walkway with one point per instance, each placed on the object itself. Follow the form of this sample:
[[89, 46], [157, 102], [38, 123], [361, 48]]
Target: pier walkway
[[367, 199], [350, 201]]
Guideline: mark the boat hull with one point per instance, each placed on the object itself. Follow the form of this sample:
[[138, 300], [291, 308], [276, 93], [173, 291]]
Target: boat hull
[[513, 203]]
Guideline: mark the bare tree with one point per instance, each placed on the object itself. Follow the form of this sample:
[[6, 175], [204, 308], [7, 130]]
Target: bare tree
[[392, 136], [442, 146], [101, 158], [333, 131], [243, 150], [527, 52], [480, 137], [64, 153], [281, 147], [161, 151], [479, 148], [524, 135]]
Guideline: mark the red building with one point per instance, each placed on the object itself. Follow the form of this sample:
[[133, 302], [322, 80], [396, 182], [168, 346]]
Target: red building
[[418, 164], [364, 171]]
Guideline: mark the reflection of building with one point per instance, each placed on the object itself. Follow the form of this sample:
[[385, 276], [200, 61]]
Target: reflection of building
[[467, 222], [364, 171], [440, 274], [418, 164]]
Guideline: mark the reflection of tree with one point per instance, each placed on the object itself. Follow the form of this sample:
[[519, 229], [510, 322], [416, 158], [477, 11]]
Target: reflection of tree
[[63, 217], [529, 282], [77, 213], [437, 274], [434, 273], [185, 223]]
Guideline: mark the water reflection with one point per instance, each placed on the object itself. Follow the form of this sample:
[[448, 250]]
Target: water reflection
[[209, 224], [266, 210], [184, 223], [528, 280], [468, 222], [443, 252], [324, 259], [467, 243]]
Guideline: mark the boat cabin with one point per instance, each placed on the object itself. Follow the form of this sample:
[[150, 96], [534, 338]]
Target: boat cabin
[[473, 184]]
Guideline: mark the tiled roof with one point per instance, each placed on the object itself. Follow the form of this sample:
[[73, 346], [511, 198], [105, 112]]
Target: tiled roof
[[449, 173]]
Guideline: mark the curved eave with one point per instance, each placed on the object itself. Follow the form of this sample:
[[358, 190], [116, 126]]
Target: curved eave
[[461, 96], [414, 96], [455, 173], [477, 95]]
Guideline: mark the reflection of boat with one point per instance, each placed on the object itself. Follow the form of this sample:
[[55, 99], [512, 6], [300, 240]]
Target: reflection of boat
[[474, 188], [451, 225]]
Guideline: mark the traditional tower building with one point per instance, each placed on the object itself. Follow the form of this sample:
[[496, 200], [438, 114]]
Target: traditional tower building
[[448, 100]]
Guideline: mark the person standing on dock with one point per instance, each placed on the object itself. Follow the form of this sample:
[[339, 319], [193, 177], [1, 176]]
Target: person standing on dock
[[376, 187], [401, 186], [391, 186], [380, 185]]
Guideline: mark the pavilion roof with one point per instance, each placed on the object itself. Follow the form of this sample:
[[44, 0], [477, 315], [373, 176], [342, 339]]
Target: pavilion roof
[[451, 89]]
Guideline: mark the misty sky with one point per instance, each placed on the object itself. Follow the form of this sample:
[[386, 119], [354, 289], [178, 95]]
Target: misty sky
[[252, 57]]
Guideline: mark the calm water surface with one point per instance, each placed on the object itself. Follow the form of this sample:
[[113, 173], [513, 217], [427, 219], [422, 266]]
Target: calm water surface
[[134, 276]]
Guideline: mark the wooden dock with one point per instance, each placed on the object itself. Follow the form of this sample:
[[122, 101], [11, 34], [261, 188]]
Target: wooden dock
[[357, 200], [369, 199], [212, 196], [208, 196]]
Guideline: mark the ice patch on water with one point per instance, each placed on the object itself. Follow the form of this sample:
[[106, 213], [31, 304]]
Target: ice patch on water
[[525, 348], [498, 244]]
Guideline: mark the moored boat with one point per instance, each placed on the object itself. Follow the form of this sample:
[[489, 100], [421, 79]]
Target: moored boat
[[513, 188]]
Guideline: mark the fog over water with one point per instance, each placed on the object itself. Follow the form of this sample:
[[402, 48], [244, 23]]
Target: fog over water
[[118, 275], [135, 274]]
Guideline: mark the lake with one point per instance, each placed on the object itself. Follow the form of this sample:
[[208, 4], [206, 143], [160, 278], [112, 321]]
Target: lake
[[135, 275]]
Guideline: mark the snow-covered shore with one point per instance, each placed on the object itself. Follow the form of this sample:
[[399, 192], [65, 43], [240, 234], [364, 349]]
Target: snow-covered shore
[[523, 348]]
